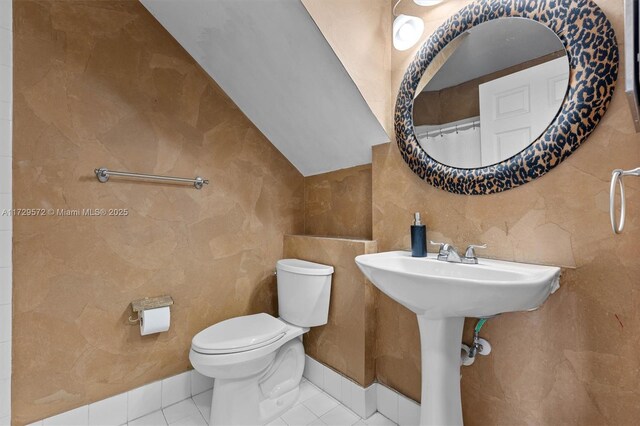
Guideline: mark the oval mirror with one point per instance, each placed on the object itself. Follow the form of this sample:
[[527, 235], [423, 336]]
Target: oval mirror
[[495, 141], [490, 93]]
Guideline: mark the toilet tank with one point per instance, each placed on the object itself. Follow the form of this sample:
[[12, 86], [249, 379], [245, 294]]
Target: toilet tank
[[304, 289]]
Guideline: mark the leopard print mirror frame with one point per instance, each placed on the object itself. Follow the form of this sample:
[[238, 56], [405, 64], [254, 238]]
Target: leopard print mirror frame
[[590, 42]]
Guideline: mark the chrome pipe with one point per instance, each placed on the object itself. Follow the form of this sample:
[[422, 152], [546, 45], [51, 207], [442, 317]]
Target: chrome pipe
[[103, 174]]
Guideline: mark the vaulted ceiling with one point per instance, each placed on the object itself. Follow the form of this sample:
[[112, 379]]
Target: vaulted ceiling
[[275, 64]]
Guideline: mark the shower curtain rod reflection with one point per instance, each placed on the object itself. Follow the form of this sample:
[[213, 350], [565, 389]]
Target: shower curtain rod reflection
[[448, 130], [103, 175]]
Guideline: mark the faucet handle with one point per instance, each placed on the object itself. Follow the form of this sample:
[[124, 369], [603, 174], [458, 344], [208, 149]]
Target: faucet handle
[[470, 253], [443, 251], [443, 246]]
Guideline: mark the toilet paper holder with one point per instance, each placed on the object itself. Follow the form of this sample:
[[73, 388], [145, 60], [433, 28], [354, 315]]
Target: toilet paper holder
[[147, 303]]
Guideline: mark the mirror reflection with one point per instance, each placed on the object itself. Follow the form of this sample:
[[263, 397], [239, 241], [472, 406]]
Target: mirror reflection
[[490, 93]]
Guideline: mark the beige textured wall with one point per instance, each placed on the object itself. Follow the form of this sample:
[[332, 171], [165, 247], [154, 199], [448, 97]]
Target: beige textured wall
[[574, 361], [347, 342], [339, 203], [357, 30], [102, 84]]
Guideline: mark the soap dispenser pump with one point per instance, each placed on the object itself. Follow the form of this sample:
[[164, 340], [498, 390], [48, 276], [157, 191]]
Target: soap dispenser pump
[[418, 237]]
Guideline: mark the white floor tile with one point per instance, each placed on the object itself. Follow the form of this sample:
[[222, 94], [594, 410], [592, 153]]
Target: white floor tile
[[154, 419], [299, 415], [38, 423], [176, 388], [317, 422], [76, 417], [144, 400], [181, 410], [200, 383], [307, 390], [340, 416], [195, 420], [5, 421], [277, 422], [320, 404], [203, 402], [110, 411], [379, 420]]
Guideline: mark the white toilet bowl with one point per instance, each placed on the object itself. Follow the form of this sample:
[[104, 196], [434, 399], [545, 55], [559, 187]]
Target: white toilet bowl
[[257, 360]]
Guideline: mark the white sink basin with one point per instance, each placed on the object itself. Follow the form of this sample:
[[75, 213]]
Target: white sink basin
[[442, 294], [437, 289]]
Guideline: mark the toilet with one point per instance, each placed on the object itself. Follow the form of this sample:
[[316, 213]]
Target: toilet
[[257, 360]]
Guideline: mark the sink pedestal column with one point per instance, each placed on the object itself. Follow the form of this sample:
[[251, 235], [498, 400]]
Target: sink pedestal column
[[440, 341]]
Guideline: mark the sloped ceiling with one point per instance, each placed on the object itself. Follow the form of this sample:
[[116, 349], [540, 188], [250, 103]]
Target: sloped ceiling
[[359, 32], [272, 60], [494, 46]]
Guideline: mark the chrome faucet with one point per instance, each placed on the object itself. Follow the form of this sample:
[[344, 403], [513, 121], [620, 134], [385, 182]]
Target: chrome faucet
[[470, 254], [448, 253]]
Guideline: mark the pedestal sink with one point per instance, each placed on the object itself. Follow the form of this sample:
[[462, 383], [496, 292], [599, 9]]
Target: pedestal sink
[[442, 294]]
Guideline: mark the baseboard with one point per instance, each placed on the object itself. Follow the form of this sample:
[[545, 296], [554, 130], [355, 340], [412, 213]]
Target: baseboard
[[122, 408], [363, 401], [127, 406]]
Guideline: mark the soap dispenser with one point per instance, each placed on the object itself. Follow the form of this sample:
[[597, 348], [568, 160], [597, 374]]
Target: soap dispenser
[[418, 237]]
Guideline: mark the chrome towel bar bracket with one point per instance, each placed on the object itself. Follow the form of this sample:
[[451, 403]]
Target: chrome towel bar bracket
[[103, 174], [616, 180], [137, 306]]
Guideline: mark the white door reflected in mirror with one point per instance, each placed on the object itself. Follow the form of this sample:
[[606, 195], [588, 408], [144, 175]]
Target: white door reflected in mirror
[[491, 92], [516, 109]]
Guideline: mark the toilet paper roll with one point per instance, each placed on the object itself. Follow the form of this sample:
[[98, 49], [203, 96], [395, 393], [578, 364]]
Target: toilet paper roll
[[155, 320]]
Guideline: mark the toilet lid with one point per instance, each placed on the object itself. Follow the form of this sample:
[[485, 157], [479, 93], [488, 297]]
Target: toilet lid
[[239, 334]]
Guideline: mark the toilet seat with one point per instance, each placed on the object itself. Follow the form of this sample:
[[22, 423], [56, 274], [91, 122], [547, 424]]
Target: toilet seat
[[239, 334], [257, 361], [231, 359]]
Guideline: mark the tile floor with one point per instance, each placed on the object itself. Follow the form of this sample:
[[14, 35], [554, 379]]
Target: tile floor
[[314, 407]]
